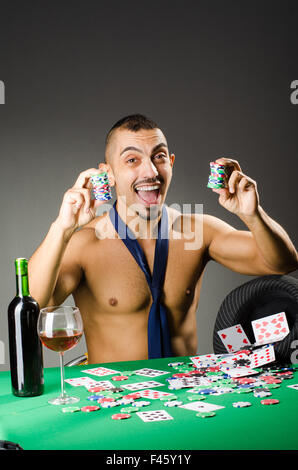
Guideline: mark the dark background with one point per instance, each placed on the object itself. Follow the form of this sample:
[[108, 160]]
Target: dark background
[[215, 75]]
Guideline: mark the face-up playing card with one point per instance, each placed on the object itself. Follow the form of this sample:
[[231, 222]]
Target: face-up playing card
[[141, 385], [233, 338], [204, 360], [150, 372], [103, 383], [156, 415], [262, 356], [153, 394], [294, 386], [270, 329], [231, 358], [241, 372], [201, 406], [81, 381], [100, 371]]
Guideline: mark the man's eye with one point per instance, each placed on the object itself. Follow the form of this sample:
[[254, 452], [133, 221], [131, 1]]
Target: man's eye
[[131, 160], [160, 156]]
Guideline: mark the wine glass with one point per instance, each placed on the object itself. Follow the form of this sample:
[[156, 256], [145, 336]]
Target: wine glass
[[60, 329]]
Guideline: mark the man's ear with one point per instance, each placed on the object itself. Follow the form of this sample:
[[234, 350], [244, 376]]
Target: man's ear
[[107, 167], [172, 159]]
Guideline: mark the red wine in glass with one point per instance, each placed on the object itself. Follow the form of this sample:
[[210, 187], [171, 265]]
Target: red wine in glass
[[60, 329], [61, 340]]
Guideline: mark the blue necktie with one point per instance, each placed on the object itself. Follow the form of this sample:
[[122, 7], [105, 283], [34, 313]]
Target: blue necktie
[[159, 341]]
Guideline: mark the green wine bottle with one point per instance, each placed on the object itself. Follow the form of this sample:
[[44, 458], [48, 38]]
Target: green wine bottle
[[25, 349]]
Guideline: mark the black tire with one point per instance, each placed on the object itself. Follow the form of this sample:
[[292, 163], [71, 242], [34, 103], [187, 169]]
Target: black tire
[[256, 299]]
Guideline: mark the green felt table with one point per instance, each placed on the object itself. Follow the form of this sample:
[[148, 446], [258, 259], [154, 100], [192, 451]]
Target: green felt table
[[35, 424]]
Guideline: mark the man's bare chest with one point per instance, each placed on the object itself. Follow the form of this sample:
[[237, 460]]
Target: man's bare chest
[[116, 283]]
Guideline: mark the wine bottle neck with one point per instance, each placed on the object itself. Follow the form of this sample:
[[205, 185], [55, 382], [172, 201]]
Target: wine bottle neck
[[22, 285]]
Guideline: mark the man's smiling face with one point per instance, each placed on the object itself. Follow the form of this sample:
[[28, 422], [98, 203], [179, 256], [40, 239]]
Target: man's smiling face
[[142, 168]]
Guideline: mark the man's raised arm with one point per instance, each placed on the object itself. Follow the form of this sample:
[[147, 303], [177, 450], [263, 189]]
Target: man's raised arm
[[54, 271], [265, 248]]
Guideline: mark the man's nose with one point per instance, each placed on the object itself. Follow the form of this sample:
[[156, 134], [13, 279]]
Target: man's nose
[[148, 169]]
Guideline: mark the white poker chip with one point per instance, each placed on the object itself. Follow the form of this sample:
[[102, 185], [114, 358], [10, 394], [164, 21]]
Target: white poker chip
[[109, 404], [125, 401], [262, 394], [241, 404], [141, 403], [173, 403], [174, 364]]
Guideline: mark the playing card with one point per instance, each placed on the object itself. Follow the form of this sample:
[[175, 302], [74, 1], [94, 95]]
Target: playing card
[[204, 360], [231, 358], [81, 381], [156, 415], [103, 383], [294, 386], [141, 385], [100, 371], [233, 338], [270, 329], [150, 372], [241, 372], [262, 356], [153, 394], [201, 406]]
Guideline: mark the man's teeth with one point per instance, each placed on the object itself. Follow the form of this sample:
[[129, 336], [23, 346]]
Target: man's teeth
[[146, 188]]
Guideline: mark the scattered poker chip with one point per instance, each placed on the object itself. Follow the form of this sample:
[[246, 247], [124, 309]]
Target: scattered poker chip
[[135, 395], [175, 364], [125, 401], [118, 378], [88, 409], [141, 403], [168, 398], [95, 389], [206, 414], [93, 397], [105, 400], [129, 409], [241, 404], [121, 416], [109, 404], [173, 403], [262, 394], [196, 398], [128, 372], [269, 401], [70, 409], [116, 390]]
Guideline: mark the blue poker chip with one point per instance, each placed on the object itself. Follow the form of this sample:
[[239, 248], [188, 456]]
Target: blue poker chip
[[93, 397], [207, 391]]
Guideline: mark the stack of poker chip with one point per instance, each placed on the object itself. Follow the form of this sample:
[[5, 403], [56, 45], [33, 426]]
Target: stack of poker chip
[[100, 187], [218, 178]]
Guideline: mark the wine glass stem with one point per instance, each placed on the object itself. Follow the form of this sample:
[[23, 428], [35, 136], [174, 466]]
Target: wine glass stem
[[62, 374]]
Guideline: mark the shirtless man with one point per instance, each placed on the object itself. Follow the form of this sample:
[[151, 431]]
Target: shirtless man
[[108, 286]]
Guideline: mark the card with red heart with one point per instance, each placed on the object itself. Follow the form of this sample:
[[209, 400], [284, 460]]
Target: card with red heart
[[270, 329], [233, 338]]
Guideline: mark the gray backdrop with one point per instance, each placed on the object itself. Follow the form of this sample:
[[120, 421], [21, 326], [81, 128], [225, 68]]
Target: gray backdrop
[[215, 75]]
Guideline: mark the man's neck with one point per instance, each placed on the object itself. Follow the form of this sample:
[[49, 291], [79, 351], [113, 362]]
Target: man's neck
[[145, 228]]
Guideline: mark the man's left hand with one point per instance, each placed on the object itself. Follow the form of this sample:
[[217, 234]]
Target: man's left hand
[[241, 197]]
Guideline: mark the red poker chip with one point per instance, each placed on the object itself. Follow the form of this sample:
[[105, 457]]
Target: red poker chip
[[118, 378], [90, 408], [97, 389], [133, 395], [102, 400], [121, 416], [270, 401], [181, 374]]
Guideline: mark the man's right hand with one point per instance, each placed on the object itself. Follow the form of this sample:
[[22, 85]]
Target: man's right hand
[[77, 207]]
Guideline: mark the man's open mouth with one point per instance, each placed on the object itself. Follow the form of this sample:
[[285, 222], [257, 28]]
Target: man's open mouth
[[148, 194]]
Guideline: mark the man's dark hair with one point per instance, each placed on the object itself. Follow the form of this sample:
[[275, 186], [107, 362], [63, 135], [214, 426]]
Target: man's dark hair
[[134, 123]]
